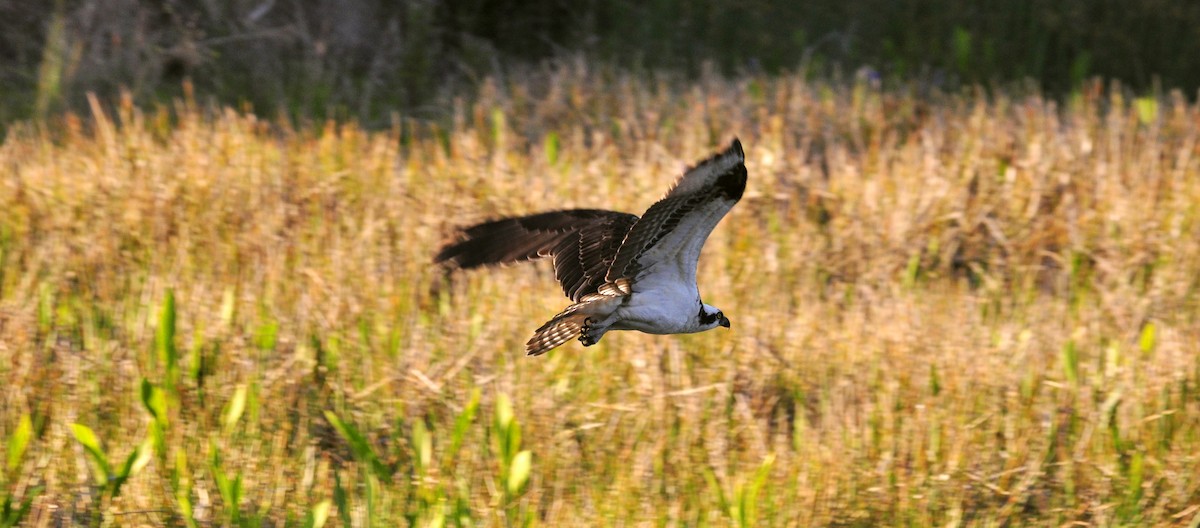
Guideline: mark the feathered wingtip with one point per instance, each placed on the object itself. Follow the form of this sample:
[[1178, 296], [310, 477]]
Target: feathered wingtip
[[522, 238], [713, 169], [501, 241], [732, 154], [735, 148]]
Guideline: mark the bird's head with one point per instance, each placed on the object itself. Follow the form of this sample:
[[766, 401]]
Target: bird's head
[[712, 317]]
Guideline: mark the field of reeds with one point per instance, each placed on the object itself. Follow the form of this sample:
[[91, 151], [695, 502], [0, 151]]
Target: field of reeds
[[950, 310]]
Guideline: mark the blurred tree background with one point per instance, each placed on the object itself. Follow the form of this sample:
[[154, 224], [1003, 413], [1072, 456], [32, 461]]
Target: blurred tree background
[[366, 59]]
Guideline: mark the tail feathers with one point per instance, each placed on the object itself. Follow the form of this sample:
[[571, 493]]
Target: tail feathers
[[564, 327]]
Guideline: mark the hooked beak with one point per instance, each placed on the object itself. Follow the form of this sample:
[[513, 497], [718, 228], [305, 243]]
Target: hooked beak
[[724, 321]]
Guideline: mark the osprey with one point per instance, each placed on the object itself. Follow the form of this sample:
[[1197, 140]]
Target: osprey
[[620, 271]]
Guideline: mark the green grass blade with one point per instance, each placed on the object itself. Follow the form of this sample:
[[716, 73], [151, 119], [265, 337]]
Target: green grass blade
[[18, 442], [462, 423], [86, 437], [422, 443], [518, 472], [1148, 338], [10, 516], [359, 446], [1069, 360], [318, 515], [233, 411], [341, 499], [155, 401], [164, 340]]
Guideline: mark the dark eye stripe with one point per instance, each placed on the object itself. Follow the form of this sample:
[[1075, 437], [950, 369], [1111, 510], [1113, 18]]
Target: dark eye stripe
[[706, 319]]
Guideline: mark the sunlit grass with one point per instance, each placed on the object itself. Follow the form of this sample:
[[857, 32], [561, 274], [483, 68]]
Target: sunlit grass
[[954, 310]]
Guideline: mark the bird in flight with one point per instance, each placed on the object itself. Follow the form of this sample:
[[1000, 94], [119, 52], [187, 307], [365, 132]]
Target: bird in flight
[[620, 271]]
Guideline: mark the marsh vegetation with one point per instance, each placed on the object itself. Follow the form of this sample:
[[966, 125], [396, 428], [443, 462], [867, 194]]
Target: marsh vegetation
[[960, 309]]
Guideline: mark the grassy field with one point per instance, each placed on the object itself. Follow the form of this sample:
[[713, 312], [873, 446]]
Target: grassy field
[[951, 310]]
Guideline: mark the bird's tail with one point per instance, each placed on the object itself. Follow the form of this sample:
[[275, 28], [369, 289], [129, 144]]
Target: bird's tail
[[562, 328], [573, 322]]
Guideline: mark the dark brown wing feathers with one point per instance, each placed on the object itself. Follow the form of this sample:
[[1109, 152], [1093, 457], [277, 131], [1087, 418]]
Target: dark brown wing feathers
[[581, 241]]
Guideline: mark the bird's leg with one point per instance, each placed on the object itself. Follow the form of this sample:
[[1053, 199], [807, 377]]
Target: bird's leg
[[585, 333], [590, 334]]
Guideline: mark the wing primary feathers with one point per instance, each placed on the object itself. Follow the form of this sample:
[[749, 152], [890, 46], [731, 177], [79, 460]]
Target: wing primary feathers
[[578, 266], [701, 174], [701, 197]]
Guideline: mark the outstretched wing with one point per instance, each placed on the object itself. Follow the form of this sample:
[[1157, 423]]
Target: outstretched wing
[[582, 242], [672, 232]]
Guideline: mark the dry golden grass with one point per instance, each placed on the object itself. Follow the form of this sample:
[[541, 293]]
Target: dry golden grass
[[955, 310]]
